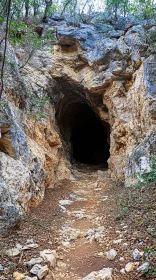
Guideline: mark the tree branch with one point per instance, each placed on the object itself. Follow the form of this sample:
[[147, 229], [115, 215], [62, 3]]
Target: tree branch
[[5, 47]]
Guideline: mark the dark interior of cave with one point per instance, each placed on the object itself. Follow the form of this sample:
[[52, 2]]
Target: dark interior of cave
[[88, 138], [84, 135]]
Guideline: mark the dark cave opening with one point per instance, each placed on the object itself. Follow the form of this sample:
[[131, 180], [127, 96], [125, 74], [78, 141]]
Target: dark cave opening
[[88, 138], [84, 135]]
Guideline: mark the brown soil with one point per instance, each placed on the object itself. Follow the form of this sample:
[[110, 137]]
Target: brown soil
[[51, 227]]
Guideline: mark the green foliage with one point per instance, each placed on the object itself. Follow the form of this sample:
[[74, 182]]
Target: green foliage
[[153, 39], [150, 176], [2, 20], [154, 271], [38, 107], [148, 252]]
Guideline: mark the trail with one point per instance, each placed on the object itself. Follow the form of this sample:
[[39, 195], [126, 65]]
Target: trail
[[77, 219]]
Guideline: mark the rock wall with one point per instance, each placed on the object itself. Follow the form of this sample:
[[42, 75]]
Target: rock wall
[[31, 153], [105, 67], [118, 82]]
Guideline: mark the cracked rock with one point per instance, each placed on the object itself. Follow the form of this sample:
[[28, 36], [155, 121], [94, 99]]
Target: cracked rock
[[49, 256], [136, 255], [13, 252], [40, 271], [34, 261]]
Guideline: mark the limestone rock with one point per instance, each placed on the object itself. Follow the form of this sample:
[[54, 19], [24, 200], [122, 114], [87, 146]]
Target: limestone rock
[[13, 252], [118, 241], [111, 254], [1, 268], [18, 276], [65, 202], [144, 267], [49, 256], [129, 267], [30, 246], [104, 274], [122, 271], [136, 255], [40, 271], [34, 261]]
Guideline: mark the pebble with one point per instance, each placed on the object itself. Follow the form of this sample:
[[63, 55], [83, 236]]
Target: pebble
[[18, 276], [49, 256], [40, 271], [121, 259], [1, 268], [144, 267], [65, 202], [118, 241], [125, 244], [122, 271], [111, 254], [30, 241], [136, 255], [129, 267]]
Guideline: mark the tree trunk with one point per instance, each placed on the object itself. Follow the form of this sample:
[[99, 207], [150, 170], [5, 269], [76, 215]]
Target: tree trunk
[[26, 8]]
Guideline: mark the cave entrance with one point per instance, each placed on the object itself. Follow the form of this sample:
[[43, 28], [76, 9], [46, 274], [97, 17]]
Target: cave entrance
[[84, 135], [89, 144]]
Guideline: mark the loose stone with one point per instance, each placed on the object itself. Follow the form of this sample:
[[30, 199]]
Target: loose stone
[[129, 267], [40, 271], [111, 254], [49, 256], [34, 261], [144, 267], [104, 274], [136, 255]]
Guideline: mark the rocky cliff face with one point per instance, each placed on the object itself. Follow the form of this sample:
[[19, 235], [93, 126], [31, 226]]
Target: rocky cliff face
[[113, 71]]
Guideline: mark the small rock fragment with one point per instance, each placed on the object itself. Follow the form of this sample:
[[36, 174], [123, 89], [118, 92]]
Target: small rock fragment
[[136, 255], [118, 241], [125, 244], [49, 256], [30, 246], [13, 252], [121, 259], [30, 241], [104, 274], [34, 261], [66, 244], [129, 267], [18, 276], [39, 270], [122, 271], [65, 202], [1, 268], [144, 267], [61, 264], [111, 254]]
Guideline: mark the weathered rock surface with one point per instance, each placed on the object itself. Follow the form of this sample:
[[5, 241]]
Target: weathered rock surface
[[104, 274], [40, 271]]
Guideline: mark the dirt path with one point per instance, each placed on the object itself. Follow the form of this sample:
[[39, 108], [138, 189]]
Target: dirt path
[[77, 219]]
